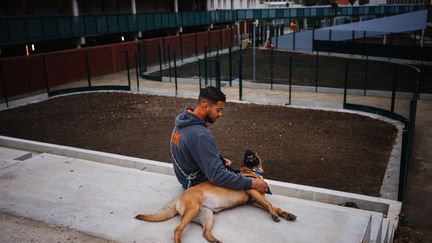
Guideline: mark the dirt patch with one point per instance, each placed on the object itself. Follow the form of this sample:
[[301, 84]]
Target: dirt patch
[[406, 234], [373, 75], [333, 150]]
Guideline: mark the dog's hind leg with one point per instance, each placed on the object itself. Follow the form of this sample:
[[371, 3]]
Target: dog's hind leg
[[187, 214], [205, 218]]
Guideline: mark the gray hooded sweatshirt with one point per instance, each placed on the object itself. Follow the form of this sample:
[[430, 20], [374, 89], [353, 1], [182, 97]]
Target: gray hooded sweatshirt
[[196, 158]]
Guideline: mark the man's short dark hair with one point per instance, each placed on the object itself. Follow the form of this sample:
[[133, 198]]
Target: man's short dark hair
[[211, 94]]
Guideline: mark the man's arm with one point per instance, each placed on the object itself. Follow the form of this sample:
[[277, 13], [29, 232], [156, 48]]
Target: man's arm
[[205, 153]]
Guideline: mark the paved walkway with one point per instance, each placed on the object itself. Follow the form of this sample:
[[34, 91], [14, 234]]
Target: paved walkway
[[102, 200]]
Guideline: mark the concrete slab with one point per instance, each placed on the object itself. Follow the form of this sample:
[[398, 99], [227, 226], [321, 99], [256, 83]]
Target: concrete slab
[[14, 154], [101, 200], [389, 208]]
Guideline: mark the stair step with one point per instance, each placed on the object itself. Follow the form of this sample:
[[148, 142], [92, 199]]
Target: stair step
[[385, 231], [101, 199]]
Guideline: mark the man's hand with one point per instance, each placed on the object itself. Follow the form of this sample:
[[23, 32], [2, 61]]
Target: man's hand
[[260, 185], [228, 162]]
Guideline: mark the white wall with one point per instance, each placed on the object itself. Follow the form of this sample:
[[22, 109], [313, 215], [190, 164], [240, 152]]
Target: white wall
[[233, 4]]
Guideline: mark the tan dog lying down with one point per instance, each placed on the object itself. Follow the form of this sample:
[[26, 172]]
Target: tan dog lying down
[[198, 203]]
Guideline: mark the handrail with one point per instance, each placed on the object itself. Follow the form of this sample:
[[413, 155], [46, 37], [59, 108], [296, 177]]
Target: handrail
[[15, 30]]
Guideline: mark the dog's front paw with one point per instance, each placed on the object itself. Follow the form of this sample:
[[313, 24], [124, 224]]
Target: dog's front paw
[[289, 216], [276, 218]]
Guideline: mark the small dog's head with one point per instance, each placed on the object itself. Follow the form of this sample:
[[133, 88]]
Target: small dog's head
[[251, 159]]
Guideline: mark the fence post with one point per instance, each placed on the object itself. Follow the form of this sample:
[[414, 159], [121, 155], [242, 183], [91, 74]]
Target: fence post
[[181, 46], [230, 66], [4, 86], [88, 68], [316, 71], [290, 79], [313, 39], [145, 57], [217, 74], [364, 36], [163, 50], [240, 76], [127, 68], [220, 40], [196, 44], [330, 40], [46, 74], [294, 37], [169, 63], [277, 38], [366, 76], [394, 87], [271, 68], [346, 81], [175, 73], [205, 65], [209, 41], [160, 62], [137, 69], [199, 72], [403, 164], [138, 52]]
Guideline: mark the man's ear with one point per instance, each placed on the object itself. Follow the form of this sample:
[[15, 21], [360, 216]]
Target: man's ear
[[204, 105]]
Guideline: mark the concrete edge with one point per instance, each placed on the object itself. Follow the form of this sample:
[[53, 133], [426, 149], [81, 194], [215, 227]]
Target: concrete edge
[[304, 88], [388, 207]]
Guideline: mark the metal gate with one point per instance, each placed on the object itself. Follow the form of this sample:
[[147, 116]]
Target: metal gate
[[209, 72]]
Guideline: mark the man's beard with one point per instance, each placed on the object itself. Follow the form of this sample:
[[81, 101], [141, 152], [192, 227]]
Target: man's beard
[[208, 119]]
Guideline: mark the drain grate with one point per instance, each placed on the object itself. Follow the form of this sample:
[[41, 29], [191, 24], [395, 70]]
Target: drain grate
[[24, 157]]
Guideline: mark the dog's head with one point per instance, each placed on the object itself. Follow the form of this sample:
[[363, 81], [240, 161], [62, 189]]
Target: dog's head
[[251, 159]]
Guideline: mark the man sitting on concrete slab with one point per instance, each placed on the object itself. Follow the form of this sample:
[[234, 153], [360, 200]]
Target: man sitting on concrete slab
[[193, 147]]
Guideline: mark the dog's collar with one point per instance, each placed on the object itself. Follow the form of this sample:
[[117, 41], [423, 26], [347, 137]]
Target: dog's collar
[[258, 172]]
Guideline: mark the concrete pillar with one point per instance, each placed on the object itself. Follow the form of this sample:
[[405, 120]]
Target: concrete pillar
[[237, 23], [75, 13], [175, 6], [422, 37], [134, 11], [305, 24], [180, 29], [384, 39]]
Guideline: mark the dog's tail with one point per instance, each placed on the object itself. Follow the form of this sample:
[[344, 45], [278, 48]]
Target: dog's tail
[[166, 212]]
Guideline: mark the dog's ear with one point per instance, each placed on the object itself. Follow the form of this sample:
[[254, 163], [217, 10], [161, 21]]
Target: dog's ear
[[251, 159]]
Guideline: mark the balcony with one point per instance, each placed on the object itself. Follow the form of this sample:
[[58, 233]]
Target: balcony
[[14, 30]]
